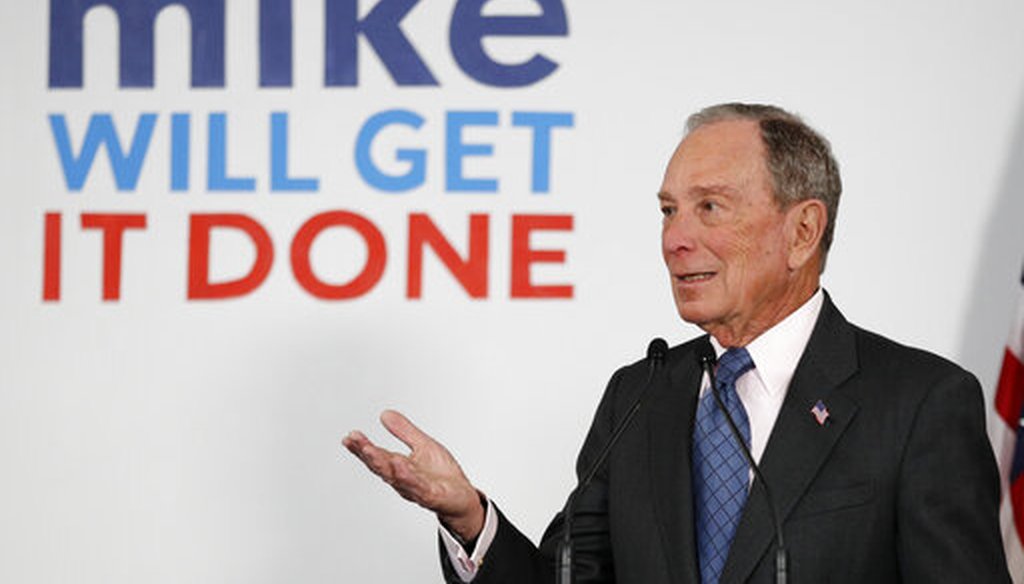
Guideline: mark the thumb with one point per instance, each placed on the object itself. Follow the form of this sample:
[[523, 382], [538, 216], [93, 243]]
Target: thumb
[[401, 428]]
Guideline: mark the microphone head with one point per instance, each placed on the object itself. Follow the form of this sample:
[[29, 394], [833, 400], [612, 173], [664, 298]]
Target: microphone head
[[706, 356], [657, 350]]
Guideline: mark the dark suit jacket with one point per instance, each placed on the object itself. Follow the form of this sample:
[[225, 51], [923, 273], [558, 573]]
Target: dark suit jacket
[[898, 485]]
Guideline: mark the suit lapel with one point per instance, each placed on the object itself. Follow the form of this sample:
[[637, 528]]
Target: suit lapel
[[671, 415], [798, 445]]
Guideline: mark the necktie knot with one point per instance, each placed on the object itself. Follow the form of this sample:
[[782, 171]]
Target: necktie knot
[[734, 363]]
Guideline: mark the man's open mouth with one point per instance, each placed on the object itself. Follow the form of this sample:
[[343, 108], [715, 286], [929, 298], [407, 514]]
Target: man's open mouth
[[695, 277]]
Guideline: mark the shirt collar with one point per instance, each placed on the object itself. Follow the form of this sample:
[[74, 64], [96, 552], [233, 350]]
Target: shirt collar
[[777, 351]]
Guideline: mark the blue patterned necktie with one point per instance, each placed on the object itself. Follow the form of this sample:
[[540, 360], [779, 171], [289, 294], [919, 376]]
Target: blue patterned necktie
[[720, 473]]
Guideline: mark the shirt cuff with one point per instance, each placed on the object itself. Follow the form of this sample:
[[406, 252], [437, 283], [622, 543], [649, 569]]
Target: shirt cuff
[[467, 565]]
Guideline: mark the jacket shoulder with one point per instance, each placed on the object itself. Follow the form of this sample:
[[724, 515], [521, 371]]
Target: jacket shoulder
[[882, 355]]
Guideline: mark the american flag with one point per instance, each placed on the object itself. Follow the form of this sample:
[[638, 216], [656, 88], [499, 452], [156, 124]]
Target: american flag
[[1008, 440], [820, 412]]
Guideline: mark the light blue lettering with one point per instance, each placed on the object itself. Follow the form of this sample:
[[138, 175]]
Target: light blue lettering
[[181, 137], [101, 131], [279, 179], [542, 123], [216, 175], [456, 150], [417, 158]]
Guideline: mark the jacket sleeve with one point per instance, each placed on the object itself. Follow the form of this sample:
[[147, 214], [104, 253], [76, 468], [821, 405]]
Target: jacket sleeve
[[948, 528], [513, 559]]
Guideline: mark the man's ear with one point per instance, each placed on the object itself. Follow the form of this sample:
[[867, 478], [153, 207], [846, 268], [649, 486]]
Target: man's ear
[[805, 226]]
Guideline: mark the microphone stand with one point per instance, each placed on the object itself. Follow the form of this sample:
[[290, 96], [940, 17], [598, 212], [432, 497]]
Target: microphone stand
[[707, 362], [564, 561]]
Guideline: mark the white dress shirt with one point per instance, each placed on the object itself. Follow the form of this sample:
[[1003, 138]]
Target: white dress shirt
[[775, 353]]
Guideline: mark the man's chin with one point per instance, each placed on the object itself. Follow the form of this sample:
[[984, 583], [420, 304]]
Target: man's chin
[[693, 313]]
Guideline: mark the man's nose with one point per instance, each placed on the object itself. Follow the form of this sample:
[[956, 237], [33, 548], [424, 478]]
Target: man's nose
[[678, 233]]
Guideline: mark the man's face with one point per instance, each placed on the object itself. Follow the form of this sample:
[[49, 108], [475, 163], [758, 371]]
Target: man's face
[[724, 238]]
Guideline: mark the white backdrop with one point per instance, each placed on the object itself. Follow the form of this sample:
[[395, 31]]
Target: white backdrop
[[161, 439]]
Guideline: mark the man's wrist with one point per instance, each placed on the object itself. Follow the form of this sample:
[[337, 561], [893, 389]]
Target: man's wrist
[[466, 529]]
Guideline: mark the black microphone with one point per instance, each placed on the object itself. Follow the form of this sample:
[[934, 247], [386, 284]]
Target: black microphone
[[656, 352], [706, 356]]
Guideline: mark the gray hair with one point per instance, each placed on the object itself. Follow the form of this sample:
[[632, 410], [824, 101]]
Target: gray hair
[[799, 159]]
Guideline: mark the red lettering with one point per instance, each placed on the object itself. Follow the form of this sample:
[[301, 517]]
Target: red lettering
[[51, 258], [376, 256], [199, 285], [523, 256], [471, 273], [113, 227]]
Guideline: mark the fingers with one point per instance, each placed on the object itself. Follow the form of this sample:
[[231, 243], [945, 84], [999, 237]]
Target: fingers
[[354, 439], [401, 428], [392, 468], [428, 476], [410, 485], [377, 459], [356, 442]]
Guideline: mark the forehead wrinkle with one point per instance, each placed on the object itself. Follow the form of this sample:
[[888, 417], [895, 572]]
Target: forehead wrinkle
[[701, 191], [714, 189]]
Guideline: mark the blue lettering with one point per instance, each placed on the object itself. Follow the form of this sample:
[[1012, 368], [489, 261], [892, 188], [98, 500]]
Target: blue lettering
[[416, 158], [136, 18], [456, 150], [279, 179], [542, 123], [181, 137], [216, 175], [275, 43], [469, 28], [380, 27], [101, 131]]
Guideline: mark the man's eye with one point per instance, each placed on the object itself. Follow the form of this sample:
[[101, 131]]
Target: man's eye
[[667, 211], [708, 206]]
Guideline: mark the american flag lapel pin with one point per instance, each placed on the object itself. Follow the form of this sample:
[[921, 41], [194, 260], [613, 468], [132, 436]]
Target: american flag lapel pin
[[820, 412]]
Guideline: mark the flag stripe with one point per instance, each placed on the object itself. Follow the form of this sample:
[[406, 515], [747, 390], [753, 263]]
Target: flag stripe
[[1010, 391], [1017, 497], [1008, 442]]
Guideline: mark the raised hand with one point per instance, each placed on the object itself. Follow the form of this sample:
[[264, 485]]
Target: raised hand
[[428, 476]]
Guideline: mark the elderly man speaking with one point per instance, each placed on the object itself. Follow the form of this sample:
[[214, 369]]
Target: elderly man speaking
[[874, 453]]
